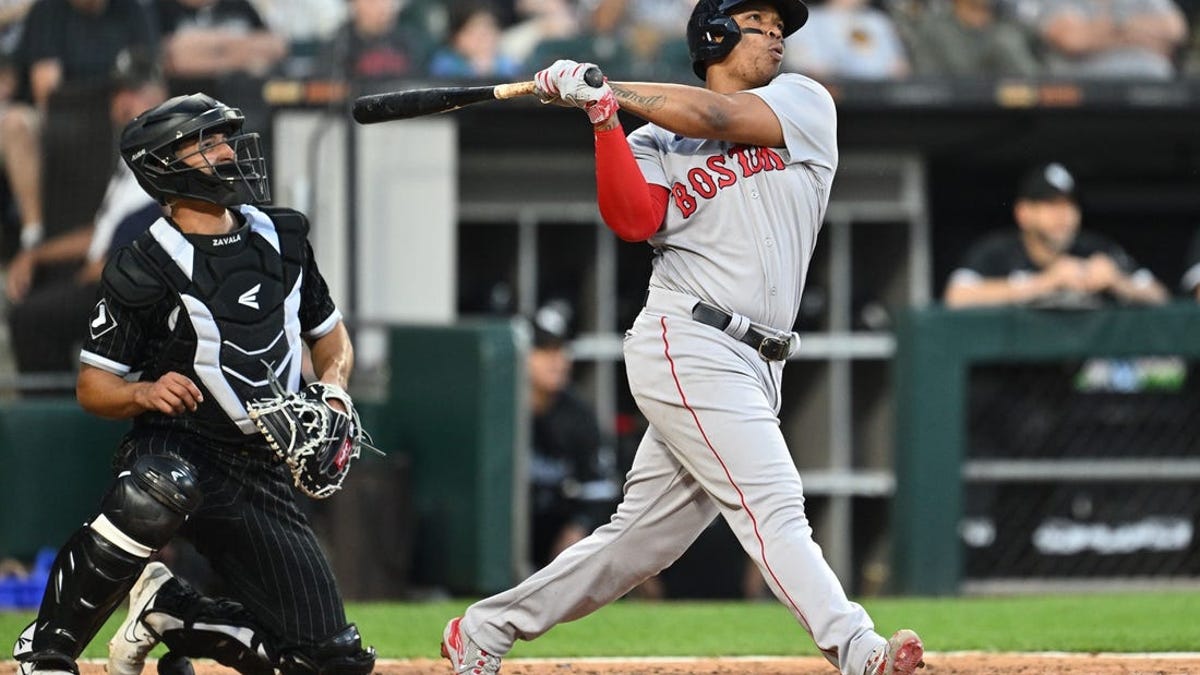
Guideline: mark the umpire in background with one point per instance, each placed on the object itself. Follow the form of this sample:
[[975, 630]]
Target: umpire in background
[[203, 312]]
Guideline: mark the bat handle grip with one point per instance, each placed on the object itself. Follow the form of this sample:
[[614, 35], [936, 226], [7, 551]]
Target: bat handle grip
[[593, 77]]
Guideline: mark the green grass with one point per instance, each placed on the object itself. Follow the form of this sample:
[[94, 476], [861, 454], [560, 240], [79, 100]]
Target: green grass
[[1128, 622]]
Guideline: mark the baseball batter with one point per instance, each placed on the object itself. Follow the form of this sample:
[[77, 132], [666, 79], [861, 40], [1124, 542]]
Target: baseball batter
[[729, 183]]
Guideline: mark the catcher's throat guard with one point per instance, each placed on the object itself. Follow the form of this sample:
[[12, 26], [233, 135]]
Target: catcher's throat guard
[[316, 440]]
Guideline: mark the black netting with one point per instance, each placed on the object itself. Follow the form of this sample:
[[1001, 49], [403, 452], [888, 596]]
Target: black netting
[[1063, 470], [1081, 529], [1145, 407]]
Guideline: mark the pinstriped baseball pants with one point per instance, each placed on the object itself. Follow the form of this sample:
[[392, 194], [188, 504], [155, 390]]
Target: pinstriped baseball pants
[[254, 535]]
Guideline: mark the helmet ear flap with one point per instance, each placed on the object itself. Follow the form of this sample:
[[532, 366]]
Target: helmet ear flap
[[712, 33], [710, 38]]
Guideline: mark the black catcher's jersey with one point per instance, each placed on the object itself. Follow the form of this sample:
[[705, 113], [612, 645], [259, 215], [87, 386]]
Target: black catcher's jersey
[[222, 310]]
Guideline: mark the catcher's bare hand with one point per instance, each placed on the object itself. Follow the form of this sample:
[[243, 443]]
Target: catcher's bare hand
[[171, 394]]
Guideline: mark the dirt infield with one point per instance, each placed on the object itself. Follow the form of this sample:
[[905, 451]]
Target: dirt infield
[[936, 664]]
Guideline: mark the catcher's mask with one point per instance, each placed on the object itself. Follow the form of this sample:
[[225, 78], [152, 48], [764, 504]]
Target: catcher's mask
[[150, 142], [712, 34]]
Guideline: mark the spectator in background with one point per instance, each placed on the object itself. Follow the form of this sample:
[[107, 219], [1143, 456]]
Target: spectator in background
[[302, 20], [965, 38], [1049, 261], [572, 483], [1118, 39], [1191, 276], [472, 48], [205, 41], [52, 286], [1190, 58], [535, 22], [847, 39], [305, 25], [221, 48], [653, 32], [373, 44], [64, 42], [12, 22]]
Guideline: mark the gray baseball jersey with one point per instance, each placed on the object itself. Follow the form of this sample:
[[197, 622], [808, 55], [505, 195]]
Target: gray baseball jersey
[[740, 230], [742, 222]]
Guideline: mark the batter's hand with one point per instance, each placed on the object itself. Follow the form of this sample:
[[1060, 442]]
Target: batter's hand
[[564, 81], [171, 394]]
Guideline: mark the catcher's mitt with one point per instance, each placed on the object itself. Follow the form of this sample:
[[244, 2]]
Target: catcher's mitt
[[315, 440]]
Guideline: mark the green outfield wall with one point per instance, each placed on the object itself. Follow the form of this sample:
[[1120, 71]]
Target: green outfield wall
[[55, 464], [438, 511]]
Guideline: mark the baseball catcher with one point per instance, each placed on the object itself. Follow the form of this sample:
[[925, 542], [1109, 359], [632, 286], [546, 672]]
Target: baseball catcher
[[187, 315]]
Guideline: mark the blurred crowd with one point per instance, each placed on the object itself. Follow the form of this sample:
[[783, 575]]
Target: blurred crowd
[[200, 40], [73, 71]]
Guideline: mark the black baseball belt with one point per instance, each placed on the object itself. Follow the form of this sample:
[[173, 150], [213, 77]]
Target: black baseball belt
[[769, 347]]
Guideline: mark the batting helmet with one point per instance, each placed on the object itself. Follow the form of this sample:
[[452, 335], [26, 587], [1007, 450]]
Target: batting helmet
[[149, 144], [711, 33]]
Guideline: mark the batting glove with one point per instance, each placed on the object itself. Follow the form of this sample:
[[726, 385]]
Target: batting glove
[[563, 81]]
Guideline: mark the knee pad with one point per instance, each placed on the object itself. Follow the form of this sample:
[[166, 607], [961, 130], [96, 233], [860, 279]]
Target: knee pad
[[339, 654], [100, 562], [148, 503]]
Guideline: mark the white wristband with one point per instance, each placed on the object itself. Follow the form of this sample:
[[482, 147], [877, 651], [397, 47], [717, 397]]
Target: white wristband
[[31, 235]]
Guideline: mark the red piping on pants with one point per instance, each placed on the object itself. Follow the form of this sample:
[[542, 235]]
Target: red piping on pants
[[762, 546]]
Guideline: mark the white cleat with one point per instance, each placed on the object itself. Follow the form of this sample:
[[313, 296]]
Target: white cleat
[[902, 655], [127, 650], [465, 656]]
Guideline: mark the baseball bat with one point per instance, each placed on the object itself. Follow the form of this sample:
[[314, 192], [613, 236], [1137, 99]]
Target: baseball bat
[[403, 105]]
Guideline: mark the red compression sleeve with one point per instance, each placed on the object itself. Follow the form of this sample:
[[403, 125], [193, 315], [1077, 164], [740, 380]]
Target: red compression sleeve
[[631, 208]]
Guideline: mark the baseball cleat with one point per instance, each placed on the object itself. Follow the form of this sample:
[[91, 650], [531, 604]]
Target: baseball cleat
[[66, 667], [465, 656], [127, 649], [902, 655], [174, 664], [48, 662]]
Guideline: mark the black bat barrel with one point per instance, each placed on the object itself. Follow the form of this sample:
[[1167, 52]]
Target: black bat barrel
[[402, 105]]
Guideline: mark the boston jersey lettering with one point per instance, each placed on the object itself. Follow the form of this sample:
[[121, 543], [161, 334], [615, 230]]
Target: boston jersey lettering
[[720, 172]]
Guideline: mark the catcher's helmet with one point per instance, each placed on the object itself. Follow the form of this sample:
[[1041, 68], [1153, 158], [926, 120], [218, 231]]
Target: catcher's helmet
[[149, 144], [711, 33]]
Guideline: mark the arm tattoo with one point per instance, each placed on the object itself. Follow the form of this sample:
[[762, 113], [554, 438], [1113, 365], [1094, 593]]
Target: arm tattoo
[[639, 101]]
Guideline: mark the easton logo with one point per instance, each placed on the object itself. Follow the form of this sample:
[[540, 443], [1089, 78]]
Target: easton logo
[[250, 297], [719, 173]]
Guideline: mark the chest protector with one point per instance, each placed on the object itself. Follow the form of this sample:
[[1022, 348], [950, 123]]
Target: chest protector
[[241, 309]]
